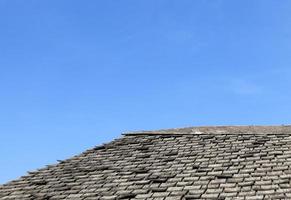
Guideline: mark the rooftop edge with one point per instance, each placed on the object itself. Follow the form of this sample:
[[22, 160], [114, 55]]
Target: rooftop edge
[[252, 129]]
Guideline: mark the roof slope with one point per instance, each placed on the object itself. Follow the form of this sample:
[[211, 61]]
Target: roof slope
[[190, 163]]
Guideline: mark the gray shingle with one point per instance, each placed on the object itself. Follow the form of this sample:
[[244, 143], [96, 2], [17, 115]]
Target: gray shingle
[[230, 162]]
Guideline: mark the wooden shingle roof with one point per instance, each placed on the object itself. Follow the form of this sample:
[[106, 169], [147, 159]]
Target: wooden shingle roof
[[227, 162]]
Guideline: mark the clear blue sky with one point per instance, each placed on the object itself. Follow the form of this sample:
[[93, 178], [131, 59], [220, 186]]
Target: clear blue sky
[[75, 74]]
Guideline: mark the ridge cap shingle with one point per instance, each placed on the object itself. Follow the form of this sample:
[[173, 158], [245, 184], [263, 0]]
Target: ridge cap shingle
[[233, 129]]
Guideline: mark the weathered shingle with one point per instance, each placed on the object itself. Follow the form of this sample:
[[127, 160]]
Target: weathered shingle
[[191, 163]]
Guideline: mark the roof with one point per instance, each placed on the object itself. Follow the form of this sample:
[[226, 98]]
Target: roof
[[227, 162]]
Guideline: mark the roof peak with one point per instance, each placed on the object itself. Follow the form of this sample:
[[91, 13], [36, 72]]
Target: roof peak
[[233, 129]]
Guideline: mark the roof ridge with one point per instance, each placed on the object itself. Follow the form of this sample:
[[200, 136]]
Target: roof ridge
[[223, 129]]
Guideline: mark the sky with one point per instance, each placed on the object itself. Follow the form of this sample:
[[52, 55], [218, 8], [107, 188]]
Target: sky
[[76, 74]]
